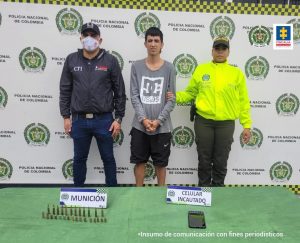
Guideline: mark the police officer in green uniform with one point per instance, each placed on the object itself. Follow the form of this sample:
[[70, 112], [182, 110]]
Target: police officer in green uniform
[[220, 94]]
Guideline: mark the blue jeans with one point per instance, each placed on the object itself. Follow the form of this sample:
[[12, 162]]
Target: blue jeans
[[83, 130]]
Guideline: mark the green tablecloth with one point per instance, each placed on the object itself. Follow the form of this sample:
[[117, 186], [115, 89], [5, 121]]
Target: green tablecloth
[[142, 215]]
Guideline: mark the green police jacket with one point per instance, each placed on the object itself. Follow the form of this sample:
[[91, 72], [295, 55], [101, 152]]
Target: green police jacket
[[220, 93]]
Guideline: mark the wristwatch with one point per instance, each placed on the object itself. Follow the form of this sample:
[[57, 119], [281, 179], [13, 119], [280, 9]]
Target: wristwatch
[[118, 120]]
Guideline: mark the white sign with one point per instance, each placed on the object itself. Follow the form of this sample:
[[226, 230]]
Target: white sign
[[90, 198], [189, 195]]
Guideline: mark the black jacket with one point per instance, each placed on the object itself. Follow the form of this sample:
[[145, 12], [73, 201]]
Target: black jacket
[[92, 86]]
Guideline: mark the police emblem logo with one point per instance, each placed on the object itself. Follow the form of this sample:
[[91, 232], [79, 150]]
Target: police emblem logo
[[205, 77], [67, 170], [118, 140], [6, 169], [69, 21], [37, 134], [260, 36], [257, 68], [32, 60], [64, 196], [119, 58], [255, 141], [149, 171], [3, 98], [296, 29], [281, 171], [171, 193], [222, 26], [287, 105], [182, 137], [185, 65], [144, 21]]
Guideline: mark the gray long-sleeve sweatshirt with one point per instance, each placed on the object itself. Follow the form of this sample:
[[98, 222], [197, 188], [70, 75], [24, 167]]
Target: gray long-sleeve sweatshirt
[[148, 95]]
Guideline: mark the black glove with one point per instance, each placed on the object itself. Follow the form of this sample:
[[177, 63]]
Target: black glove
[[192, 112]]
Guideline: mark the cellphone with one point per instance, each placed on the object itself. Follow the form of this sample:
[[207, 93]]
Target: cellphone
[[196, 219]]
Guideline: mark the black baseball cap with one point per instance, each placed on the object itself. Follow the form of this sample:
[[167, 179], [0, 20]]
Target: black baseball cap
[[221, 41], [90, 27]]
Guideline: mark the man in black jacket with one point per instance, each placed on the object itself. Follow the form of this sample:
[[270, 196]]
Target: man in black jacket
[[91, 90]]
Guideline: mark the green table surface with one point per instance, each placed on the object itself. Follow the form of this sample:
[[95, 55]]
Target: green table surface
[[142, 215]]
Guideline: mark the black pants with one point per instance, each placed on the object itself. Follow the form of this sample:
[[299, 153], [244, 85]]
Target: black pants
[[213, 139]]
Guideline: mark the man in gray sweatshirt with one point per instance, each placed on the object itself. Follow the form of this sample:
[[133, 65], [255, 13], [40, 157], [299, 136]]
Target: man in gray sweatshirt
[[151, 79]]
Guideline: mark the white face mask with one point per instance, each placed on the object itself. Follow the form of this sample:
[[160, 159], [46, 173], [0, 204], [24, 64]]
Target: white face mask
[[89, 43]]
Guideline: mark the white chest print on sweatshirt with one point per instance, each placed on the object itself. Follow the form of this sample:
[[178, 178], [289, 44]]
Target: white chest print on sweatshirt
[[151, 90]]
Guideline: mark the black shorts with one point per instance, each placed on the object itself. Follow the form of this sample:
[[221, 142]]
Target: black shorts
[[143, 146]]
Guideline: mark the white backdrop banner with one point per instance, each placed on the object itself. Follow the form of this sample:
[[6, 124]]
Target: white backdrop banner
[[35, 40]]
